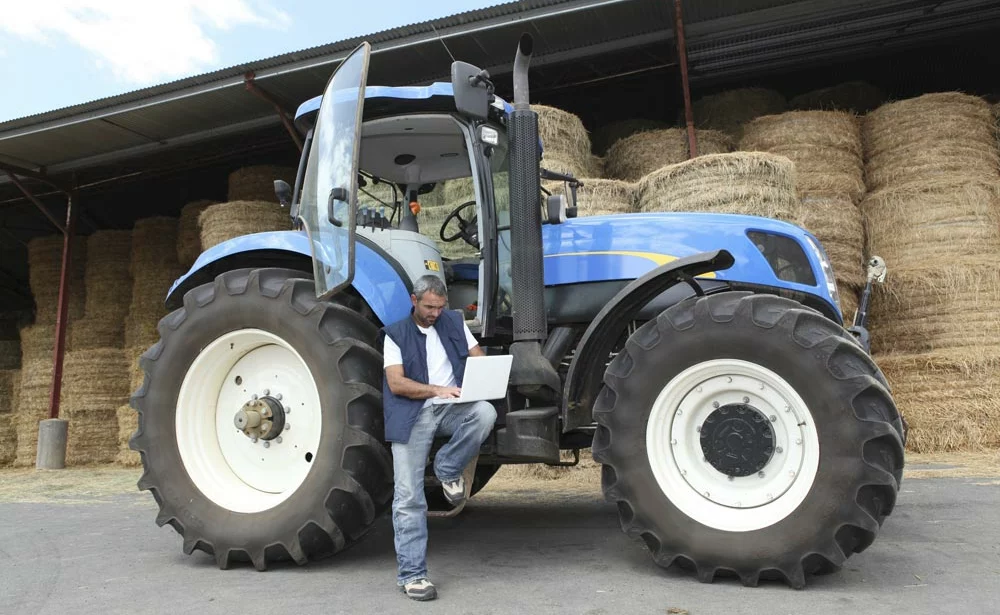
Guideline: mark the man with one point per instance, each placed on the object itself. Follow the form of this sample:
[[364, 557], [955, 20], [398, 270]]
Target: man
[[425, 356]]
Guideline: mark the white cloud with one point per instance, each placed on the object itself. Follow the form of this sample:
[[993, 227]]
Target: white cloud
[[142, 41]]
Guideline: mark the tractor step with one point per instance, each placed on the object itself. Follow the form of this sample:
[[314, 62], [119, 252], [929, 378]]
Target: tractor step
[[531, 435]]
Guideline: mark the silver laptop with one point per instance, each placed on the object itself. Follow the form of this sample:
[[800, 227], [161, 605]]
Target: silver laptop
[[485, 378]]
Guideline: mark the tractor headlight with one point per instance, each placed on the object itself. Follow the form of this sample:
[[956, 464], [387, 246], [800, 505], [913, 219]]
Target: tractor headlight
[[827, 268]]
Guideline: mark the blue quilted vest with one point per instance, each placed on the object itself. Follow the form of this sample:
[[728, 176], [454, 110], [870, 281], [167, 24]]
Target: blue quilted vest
[[401, 413]]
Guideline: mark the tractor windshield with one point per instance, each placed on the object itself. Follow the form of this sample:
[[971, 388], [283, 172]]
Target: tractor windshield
[[329, 194]]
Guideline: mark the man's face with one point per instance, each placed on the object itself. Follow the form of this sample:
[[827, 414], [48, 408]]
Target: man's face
[[427, 308]]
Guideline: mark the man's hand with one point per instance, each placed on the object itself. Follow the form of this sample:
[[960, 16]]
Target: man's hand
[[447, 392]]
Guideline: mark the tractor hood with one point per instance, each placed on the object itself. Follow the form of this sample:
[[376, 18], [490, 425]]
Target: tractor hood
[[624, 247]]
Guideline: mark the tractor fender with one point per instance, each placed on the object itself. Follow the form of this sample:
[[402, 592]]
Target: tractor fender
[[585, 377], [378, 278]]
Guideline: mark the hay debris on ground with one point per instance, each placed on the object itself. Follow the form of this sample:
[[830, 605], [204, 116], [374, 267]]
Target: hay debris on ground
[[599, 197], [607, 135], [824, 145], [44, 273], [225, 221], [729, 111], [942, 136], [751, 183], [938, 308], [10, 354], [585, 471], [950, 400], [631, 158], [95, 384], [837, 223], [189, 232], [32, 407], [256, 183], [854, 96]]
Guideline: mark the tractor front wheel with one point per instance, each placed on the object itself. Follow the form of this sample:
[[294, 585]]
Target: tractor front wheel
[[747, 435]]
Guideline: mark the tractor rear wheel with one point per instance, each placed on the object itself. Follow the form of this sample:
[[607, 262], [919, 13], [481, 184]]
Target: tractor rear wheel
[[747, 435], [260, 421]]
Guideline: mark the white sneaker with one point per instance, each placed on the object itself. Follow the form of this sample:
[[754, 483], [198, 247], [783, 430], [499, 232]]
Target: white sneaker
[[421, 589], [454, 491]]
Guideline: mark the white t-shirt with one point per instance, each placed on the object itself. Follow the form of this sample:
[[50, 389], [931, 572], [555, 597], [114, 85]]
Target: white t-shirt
[[439, 370]]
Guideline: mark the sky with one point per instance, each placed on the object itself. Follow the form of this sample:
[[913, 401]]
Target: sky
[[57, 53]]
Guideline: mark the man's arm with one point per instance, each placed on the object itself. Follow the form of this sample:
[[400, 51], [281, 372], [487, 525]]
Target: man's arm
[[400, 385]]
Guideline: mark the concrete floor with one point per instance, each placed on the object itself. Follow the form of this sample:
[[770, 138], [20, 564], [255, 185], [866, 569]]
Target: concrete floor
[[512, 551]]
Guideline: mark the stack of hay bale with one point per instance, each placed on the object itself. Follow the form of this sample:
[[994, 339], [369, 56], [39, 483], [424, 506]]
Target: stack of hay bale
[[9, 385], [38, 340], [932, 212], [729, 111], [154, 269], [826, 149], [854, 96], [751, 183], [128, 418], [599, 197], [95, 378], [189, 232], [607, 135], [256, 183], [631, 158]]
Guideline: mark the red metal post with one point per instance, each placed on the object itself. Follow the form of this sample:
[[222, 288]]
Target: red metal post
[[41, 206], [685, 83], [256, 90], [62, 313]]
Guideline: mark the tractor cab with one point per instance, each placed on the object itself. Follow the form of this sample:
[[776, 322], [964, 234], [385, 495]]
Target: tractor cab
[[418, 173]]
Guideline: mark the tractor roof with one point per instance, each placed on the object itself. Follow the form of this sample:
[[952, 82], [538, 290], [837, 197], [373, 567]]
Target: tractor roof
[[384, 101]]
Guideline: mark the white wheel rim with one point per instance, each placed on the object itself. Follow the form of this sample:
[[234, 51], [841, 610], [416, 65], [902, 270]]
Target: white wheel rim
[[226, 465], [698, 489]]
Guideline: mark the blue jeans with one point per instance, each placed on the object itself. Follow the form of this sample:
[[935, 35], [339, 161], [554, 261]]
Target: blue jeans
[[468, 425]]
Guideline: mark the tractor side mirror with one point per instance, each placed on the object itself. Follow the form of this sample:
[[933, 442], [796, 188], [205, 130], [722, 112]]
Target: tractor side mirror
[[472, 90], [283, 191], [556, 208]]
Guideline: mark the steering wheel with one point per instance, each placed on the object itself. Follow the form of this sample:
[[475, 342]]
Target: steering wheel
[[468, 228]]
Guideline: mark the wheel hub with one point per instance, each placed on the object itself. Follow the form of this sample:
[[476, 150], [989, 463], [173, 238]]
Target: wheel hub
[[262, 418], [737, 440]]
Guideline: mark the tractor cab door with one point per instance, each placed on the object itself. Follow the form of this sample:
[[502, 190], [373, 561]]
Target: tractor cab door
[[330, 187]]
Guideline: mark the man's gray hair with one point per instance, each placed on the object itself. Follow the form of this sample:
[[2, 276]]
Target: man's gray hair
[[429, 284]]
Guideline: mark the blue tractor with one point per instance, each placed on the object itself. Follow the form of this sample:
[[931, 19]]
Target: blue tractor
[[741, 428]]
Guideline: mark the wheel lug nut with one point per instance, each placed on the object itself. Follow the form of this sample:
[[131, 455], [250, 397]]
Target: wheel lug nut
[[267, 391], [288, 427], [715, 404], [729, 378], [746, 399], [267, 444], [773, 418], [254, 397], [698, 428], [779, 450], [254, 439], [760, 475], [277, 440], [277, 396], [730, 477]]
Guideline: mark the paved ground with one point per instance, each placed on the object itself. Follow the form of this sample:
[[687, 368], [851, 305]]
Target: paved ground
[[93, 548]]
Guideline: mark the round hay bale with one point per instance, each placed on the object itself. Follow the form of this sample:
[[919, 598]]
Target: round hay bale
[[256, 183], [557, 164], [729, 111], [95, 384], [225, 221], [950, 400], [8, 385], [631, 158], [37, 342], [45, 271], [938, 308], [837, 223], [128, 423], [33, 406], [563, 135], [598, 197], [855, 96], [824, 145], [950, 223], [751, 183], [944, 136], [189, 232], [607, 135], [96, 332], [10, 354]]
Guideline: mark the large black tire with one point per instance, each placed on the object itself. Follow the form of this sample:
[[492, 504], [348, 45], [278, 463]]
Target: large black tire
[[350, 481], [858, 427]]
